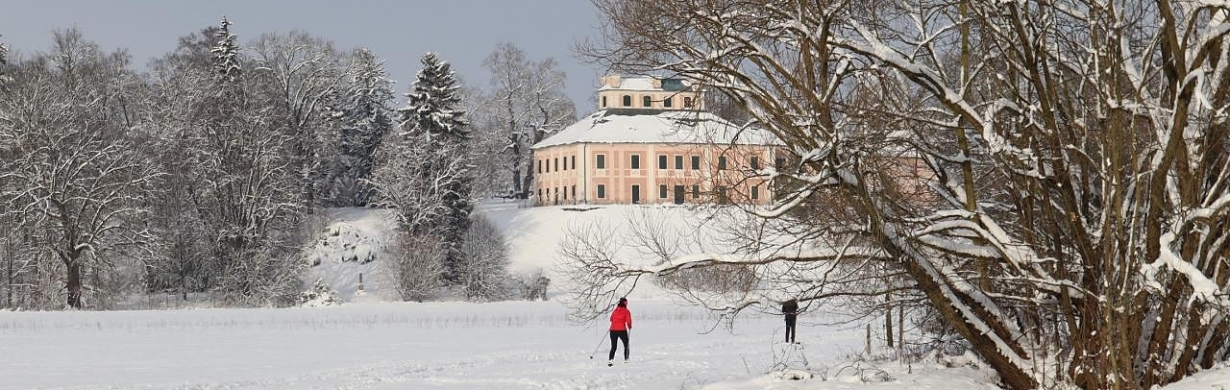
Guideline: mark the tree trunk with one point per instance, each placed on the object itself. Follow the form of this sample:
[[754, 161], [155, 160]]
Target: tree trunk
[[888, 321], [74, 284]]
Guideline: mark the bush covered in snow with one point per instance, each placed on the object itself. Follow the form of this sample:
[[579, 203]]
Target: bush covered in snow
[[319, 295]]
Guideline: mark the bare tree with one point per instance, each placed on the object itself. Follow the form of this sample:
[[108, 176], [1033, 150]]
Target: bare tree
[[1051, 176], [299, 74], [417, 266], [69, 169], [484, 262], [526, 104]]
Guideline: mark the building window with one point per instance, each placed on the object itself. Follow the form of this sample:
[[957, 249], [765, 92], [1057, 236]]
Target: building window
[[627, 100], [565, 193], [636, 161], [779, 162], [601, 191], [687, 102], [646, 102], [755, 192], [695, 163], [754, 162], [574, 162], [600, 161], [662, 191], [565, 163], [540, 166], [557, 164], [574, 188], [722, 162], [695, 191], [604, 101], [661, 161], [666, 102], [539, 194], [678, 162]]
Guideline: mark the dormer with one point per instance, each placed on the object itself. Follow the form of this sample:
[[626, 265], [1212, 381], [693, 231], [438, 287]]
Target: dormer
[[648, 93]]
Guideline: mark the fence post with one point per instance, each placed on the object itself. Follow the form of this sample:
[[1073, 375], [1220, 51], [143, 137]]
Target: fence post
[[360, 281]]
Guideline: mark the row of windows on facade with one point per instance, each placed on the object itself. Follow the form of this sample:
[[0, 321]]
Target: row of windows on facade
[[600, 162], [663, 192], [647, 101]]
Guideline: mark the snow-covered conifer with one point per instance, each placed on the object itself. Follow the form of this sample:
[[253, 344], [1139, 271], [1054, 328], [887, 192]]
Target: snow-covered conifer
[[4, 62], [433, 109], [226, 53], [366, 117]]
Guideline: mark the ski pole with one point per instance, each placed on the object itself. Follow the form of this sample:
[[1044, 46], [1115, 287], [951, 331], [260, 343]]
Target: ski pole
[[608, 333]]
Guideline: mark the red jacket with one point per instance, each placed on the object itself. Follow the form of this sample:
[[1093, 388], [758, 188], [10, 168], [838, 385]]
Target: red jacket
[[621, 319]]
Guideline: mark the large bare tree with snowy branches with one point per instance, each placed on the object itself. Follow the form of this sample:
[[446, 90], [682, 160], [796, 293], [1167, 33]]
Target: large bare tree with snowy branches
[[1051, 176]]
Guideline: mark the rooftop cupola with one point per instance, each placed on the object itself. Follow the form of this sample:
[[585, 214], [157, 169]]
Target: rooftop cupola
[[648, 93]]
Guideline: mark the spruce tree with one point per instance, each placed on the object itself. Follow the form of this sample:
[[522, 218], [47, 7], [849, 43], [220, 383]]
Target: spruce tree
[[4, 63], [433, 109], [433, 118], [226, 53]]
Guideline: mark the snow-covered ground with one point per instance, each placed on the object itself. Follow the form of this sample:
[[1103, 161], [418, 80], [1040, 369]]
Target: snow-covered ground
[[373, 343], [509, 345]]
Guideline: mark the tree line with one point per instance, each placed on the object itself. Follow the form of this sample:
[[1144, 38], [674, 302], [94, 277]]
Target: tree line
[[209, 170]]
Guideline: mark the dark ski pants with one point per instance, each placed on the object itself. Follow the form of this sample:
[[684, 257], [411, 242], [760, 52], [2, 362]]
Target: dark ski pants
[[618, 335], [790, 332]]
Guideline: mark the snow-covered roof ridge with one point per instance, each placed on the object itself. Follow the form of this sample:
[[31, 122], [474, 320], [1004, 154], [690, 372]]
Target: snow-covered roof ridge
[[614, 126]]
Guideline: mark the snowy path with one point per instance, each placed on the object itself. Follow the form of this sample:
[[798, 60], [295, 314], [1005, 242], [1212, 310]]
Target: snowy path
[[513, 345]]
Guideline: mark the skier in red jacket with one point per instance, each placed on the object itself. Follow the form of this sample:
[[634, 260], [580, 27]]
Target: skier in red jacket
[[621, 323]]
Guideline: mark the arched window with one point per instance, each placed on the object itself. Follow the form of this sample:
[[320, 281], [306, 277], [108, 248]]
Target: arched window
[[666, 102], [646, 102], [687, 102], [604, 102], [627, 100]]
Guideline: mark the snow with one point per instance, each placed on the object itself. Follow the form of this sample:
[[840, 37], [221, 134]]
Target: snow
[[633, 84], [671, 127], [351, 244], [367, 344], [508, 345]]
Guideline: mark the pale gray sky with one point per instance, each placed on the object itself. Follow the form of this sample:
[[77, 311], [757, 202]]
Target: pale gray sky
[[462, 31]]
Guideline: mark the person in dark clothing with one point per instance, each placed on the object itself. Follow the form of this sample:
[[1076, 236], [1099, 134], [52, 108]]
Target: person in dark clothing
[[790, 309], [621, 323]]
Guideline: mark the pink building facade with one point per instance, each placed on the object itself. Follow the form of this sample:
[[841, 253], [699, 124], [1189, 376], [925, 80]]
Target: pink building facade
[[652, 156]]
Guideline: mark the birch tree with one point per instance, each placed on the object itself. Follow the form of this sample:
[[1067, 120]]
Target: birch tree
[[1051, 176]]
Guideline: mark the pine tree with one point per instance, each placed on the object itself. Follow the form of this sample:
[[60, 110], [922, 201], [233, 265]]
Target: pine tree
[[4, 52], [433, 109], [226, 53], [366, 117], [433, 117]]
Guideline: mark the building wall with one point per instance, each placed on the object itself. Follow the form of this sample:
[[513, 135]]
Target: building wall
[[701, 183], [613, 98]]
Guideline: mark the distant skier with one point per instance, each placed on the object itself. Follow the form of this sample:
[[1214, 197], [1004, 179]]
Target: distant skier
[[790, 309], [621, 323]]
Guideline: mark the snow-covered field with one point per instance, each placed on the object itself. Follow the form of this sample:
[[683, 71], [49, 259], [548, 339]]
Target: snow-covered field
[[510, 345], [371, 343]]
